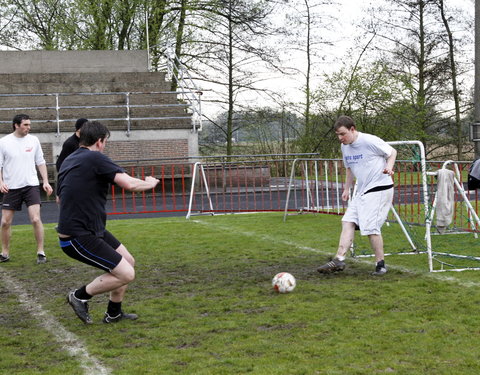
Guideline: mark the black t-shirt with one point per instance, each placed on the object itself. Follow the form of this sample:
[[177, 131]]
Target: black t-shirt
[[473, 181], [83, 183], [70, 145]]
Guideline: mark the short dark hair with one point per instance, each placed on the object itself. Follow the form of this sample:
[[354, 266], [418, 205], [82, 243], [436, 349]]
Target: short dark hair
[[91, 132], [80, 123], [17, 119], [344, 121]]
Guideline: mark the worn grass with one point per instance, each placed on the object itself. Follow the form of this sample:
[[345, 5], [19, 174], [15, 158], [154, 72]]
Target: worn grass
[[206, 305]]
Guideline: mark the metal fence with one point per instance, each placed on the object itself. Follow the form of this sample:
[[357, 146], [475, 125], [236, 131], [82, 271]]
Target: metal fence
[[260, 183]]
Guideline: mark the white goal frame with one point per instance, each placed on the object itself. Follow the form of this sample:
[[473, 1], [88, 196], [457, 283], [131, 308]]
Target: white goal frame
[[427, 214], [457, 180], [198, 168]]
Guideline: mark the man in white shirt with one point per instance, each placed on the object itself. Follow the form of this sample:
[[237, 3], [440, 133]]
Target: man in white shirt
[[20, 152], [370, 160]]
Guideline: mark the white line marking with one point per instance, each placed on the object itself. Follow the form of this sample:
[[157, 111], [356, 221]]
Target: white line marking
[[270, 239], [68, 340]]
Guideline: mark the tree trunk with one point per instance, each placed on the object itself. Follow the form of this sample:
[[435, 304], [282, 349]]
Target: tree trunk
[[456, 96], [230, 84], [178, 43], [308, 130], [421, 95]]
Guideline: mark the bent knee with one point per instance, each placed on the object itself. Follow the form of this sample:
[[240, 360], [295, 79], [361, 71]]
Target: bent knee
[[127, 275], [130, 259]]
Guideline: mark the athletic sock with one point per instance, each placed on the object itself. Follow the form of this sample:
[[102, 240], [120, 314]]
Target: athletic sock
[[114, 308], [82, 294]]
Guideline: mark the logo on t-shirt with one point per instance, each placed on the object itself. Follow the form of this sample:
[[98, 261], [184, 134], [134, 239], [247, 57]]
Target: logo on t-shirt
[[353, 158], [29, 149]]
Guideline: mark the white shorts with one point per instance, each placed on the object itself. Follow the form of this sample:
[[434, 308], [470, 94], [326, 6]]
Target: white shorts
[[369, 211]]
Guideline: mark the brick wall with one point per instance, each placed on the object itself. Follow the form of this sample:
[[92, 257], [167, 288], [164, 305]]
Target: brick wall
[[154, 149], [128, 150], [47, 152]]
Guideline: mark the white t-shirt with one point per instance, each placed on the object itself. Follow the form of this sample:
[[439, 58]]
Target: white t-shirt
[[18, 158], [366, 158]]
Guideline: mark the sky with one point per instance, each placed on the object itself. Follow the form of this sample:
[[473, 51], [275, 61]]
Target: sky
[[290, 87], [343, 32]]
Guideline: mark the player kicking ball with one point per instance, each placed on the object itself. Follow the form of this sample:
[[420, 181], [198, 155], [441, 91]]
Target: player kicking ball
[[83, 182], [370, 161]]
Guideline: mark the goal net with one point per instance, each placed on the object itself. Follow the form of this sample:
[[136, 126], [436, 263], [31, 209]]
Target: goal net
[[452, 223], [434, 211], [405, 229], [416, 224]]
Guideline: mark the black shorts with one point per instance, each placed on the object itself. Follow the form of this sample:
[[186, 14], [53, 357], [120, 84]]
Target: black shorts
[[95, 251], [15, 197]]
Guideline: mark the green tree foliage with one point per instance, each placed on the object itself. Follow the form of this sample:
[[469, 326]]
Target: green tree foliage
[[35, 24], [156, 14], [371, 95], [408, 80], [260, 130], [81, 24]]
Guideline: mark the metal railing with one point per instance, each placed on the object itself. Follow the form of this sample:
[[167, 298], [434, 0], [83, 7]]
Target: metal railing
[[258, 183], [126, 106], [186, 87]]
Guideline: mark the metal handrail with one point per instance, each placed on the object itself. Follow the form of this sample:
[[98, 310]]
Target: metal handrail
[[188, 90], [57, 107]]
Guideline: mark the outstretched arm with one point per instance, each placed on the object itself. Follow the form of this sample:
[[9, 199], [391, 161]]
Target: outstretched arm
[[130, 183]]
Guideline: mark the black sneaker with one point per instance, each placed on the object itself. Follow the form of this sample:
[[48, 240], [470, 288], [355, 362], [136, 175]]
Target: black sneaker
[[380, 269], [4, 258], [80, 307], [41, 258], [114, 319], [334, 265]]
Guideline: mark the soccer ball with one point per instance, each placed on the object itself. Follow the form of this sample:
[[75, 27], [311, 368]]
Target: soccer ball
[[283, 282]]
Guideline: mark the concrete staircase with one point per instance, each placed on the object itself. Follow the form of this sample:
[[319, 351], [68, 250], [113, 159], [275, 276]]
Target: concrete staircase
[[124, 101], [149, 124]]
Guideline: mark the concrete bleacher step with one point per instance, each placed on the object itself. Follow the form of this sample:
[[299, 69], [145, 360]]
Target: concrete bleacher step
[[100, 96], [57, 87], [39, 83]]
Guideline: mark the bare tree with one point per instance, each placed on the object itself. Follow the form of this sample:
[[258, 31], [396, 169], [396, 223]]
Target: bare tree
[[34, 24], [452, 51], [308, 22], [228, 53], [410, 43]]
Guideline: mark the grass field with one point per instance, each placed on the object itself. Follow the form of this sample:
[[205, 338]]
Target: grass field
[[203, 293]]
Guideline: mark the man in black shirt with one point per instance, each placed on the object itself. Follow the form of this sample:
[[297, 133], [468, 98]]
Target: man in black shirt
[[71, 143], [83, 183], [473, 181]]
